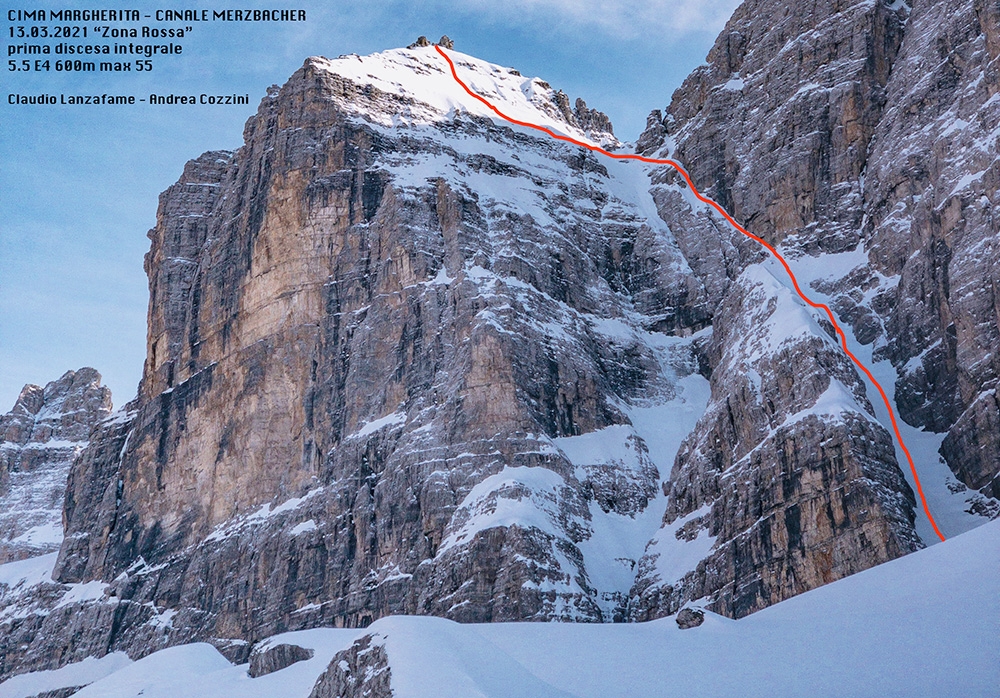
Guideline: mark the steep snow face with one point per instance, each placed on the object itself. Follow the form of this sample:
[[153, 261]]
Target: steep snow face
[[955, 508], [423, 92], [900, 629]]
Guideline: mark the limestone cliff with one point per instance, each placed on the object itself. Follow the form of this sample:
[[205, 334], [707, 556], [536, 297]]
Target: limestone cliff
[[858, 138], [401, 359], [404, 358], [875, 124], [39, 438]]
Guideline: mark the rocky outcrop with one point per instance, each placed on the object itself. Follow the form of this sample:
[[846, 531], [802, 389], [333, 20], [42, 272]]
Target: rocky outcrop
[[591, 120], [270, 658], [58, 692], [361, 671], [689, 618], [970, 447], [46, 422], [39, 438]]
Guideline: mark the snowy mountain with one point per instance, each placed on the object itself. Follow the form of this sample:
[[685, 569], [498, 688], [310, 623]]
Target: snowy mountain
[[39, 438], [405, 357]]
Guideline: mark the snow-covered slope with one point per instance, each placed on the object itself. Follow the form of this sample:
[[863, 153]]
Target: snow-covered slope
[[924, 625], [430, 94]]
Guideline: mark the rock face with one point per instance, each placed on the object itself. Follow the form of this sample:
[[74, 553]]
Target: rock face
[[864, 132], [933, 223], [873, 123], [392, 360], [39, 438], [361, 671], [325, 320], [777, 126], [404, 358], [787, 482]]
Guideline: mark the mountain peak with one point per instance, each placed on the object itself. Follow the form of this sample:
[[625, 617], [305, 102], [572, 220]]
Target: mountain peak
[[414, 87]]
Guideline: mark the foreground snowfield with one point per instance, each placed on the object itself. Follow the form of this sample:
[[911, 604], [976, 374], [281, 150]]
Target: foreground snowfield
[[924, 625]]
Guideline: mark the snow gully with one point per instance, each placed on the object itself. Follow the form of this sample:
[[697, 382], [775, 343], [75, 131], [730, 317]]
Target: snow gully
[[732, 221]]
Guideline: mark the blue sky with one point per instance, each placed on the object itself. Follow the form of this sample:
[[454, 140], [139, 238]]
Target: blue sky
[[79, 184]]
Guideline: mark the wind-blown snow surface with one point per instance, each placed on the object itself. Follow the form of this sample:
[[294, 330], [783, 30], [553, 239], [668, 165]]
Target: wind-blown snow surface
[[927, 624]]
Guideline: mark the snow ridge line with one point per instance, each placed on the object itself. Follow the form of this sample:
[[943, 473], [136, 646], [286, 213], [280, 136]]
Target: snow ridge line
[[770, 248]]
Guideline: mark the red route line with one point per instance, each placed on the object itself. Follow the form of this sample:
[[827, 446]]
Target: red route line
[[770, 248]]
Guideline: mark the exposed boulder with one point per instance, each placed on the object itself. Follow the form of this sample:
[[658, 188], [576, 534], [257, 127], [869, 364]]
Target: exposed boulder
[[267, 658], [688, 618]]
